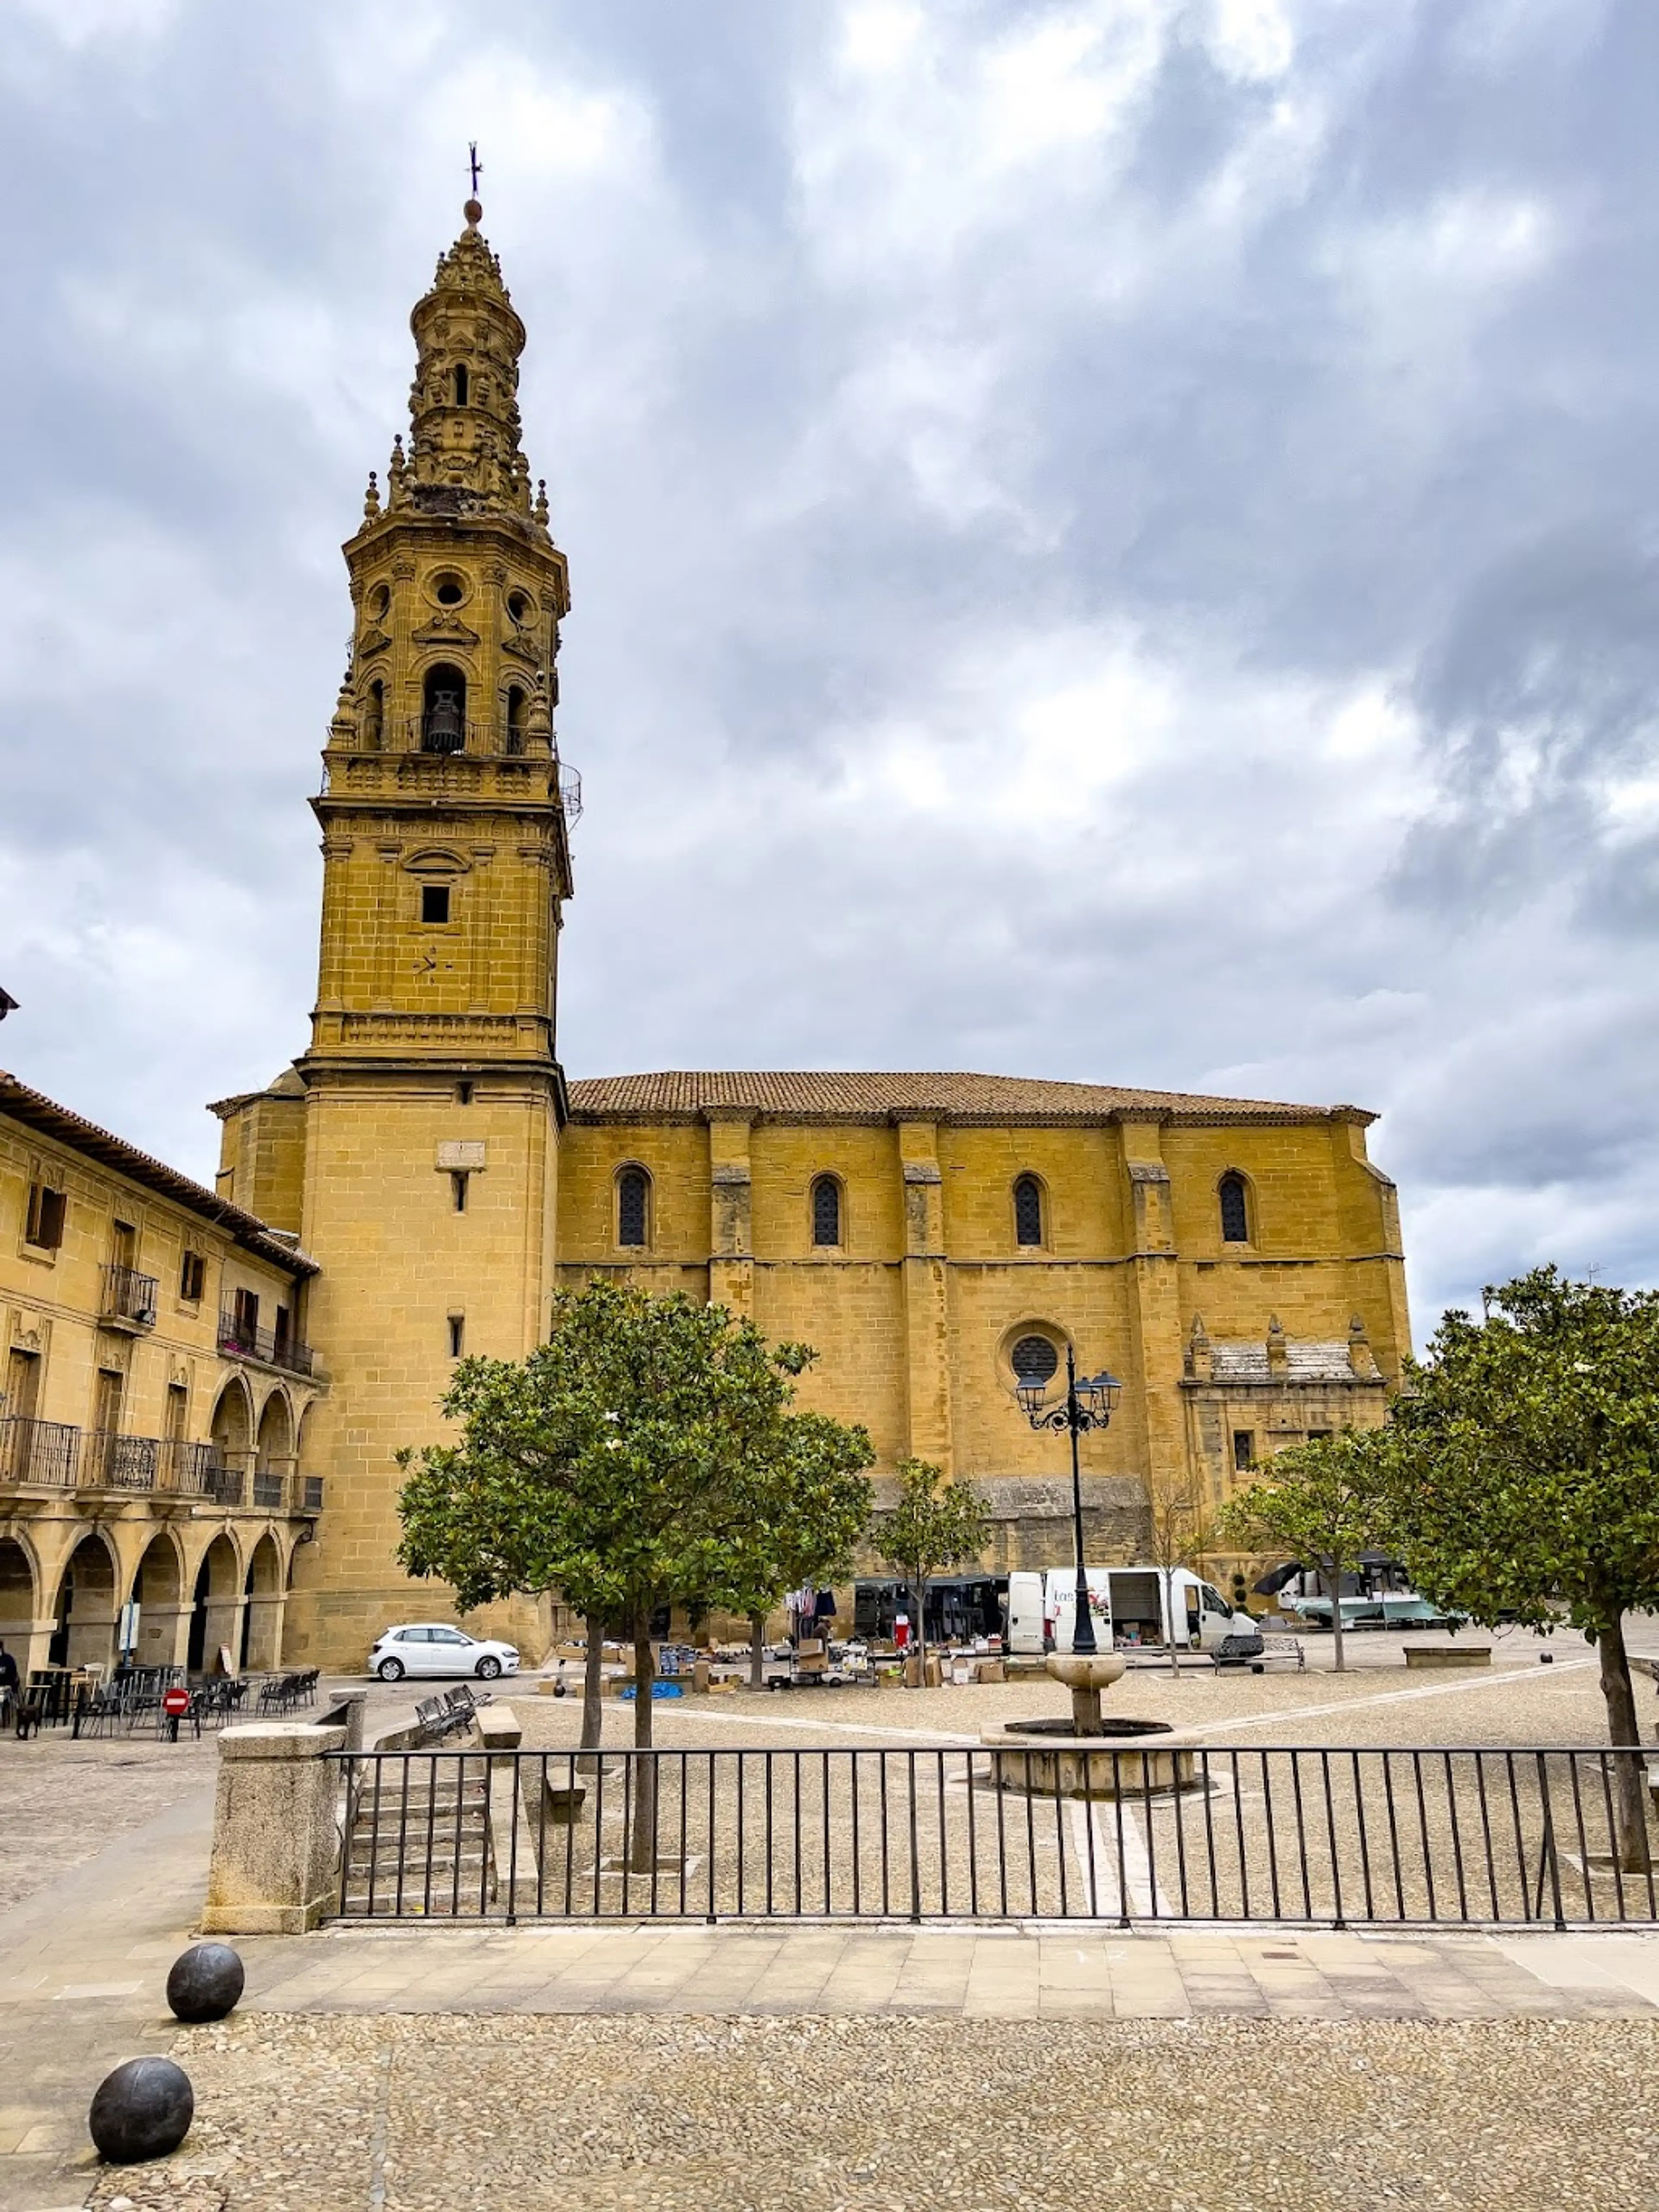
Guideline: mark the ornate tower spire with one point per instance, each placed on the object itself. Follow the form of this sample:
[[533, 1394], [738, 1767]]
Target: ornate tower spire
[[464, 407], [445, 809]]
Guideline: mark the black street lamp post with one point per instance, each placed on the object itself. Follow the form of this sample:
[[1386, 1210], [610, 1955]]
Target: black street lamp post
[[1088, 1405]]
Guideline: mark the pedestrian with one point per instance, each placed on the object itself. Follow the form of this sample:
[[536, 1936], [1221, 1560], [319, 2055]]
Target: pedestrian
[[8, 1685]]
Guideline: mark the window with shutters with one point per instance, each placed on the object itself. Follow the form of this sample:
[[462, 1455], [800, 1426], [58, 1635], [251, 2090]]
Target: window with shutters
[[826, 1210], [193, 1278], [633, 1208], [1028, 1211], [47, 1210], [1234, 1197]]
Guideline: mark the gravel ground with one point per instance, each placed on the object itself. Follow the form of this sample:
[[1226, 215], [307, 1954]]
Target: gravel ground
[[1514, 1701], [1405, 1839], [449, 2114]]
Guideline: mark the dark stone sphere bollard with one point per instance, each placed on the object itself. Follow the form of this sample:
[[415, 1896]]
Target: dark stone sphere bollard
[[205, 1984], [142, 2109]]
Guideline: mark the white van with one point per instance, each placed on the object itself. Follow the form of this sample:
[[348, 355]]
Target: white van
[[1130, 1605]]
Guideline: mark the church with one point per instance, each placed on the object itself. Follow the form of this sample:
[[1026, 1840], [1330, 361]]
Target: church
[[425, 1177]]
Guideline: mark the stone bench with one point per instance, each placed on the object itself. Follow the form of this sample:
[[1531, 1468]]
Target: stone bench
[[1447, 1655]]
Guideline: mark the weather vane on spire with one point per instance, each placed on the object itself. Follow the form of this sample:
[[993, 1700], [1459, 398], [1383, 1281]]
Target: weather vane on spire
[[476, 164]]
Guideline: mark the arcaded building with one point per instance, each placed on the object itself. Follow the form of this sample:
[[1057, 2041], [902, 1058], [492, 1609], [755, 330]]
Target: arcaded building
[[1236, 1262]]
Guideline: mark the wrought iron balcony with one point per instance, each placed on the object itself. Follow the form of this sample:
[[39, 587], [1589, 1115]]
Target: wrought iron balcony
[[43, 1452], [268, 1489], [129, 1296], [227, 1483], [112, 1461], [241, 1339], [188, 1469], [311, 1493]]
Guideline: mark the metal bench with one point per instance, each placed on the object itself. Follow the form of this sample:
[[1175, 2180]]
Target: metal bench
[[1258, 1652]]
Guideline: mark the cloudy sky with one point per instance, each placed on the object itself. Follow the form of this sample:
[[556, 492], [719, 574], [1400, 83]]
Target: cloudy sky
[[1116, 539]]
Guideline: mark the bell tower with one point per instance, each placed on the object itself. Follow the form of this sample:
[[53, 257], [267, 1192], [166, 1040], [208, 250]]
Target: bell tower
[[434, 1096]]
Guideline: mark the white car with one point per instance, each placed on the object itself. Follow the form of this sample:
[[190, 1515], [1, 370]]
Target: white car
[[433, 1648]]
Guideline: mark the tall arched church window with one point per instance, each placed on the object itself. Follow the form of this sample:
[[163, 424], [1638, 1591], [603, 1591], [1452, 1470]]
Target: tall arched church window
[[374, 717], [1028, 1211], [826, 1210], [1234, 1210], [634, 1208], [515, 712], [460, 384]]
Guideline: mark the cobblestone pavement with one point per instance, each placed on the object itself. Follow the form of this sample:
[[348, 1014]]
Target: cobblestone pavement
[[706, 2113]]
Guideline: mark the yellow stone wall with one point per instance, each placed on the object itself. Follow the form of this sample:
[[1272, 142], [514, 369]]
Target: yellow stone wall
[[142, 1513], [914, 1313]]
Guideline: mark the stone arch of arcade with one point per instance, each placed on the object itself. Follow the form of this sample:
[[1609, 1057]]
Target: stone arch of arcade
[[157, 1590], [20, 1604], [85, 1604], [217, 1605], [264, 1594]]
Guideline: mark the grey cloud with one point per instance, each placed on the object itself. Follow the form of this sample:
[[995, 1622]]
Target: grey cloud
[[863, 447]]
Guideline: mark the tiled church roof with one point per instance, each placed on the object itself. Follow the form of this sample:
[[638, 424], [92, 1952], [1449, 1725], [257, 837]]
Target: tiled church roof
[[680, 1092], [36, 1111]]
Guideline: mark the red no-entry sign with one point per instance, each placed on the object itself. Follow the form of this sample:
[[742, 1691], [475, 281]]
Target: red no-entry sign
[[176, 1703]]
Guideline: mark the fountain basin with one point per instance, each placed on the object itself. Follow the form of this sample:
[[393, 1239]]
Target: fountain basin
[[1049, 1759]]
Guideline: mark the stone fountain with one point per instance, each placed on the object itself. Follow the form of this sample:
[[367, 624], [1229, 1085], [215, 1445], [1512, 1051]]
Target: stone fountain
[[1088, 1756]]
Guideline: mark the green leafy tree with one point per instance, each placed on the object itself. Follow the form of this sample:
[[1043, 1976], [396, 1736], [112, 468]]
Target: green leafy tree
[[1322, 1503], [813, 1506], [935, 1525], [1525, 1476], [635, 1459]]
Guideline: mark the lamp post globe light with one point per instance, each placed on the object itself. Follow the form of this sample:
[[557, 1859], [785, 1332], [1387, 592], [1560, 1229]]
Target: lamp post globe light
[[1088, 1404]]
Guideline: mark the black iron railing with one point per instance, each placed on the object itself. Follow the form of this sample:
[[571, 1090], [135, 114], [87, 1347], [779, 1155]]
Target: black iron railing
[[245, 1340], [113, 1461], [1539, 1837], [189, 1469], [311, 1493], [226, 1482], [129, 1296], [47, 1452], [268, 1489]]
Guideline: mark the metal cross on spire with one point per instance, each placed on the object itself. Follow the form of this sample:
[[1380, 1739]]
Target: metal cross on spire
[[477, 165]]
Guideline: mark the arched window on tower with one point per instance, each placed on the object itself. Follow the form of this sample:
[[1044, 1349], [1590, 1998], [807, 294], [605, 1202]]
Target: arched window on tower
[[443, 712], [516, 704], [826, 1210], [1028, 1211], [633, 1208], [374, 717], [460, 384], [1235, 1209]]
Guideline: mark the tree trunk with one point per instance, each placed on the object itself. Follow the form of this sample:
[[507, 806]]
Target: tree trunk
[[642, 1842], [1629, 1778], [758, 1650], [919, 1586], [593, 1688], [1170, 1603], [1336, 1618]]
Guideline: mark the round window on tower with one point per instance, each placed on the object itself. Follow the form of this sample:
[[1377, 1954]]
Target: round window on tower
[[448, 589], [379, 601], [520, 606]]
